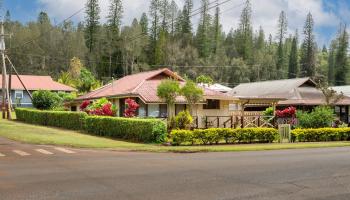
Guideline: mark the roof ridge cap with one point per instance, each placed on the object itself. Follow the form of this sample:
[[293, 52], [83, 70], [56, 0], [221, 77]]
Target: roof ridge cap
[[138, 86]]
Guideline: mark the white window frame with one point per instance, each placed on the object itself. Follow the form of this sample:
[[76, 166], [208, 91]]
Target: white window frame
[[20, 92]]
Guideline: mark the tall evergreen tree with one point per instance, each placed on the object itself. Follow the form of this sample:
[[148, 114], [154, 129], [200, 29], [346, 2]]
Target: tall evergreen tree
[[341, 56], [216, 30], [308, 49], [293, 58], [203, 43], [92, 23], [144, 23], [186, 24], [282, 30], [114, 17], [165, 15], [244, 34], [155, 16], [7, 16], [331, 70], [173, 17]]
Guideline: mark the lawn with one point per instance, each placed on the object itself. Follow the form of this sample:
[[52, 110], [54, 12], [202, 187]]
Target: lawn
[[53, 136]]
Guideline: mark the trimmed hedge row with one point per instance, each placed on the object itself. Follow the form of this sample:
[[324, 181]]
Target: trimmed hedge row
[[320, 134], [61, 119], [141, 130], [216, 135]]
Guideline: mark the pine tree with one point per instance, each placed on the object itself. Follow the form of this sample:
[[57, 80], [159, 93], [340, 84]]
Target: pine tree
[[202, 35], [114, 17], [308, 50], [260, 42], [186, 17], [216, 31], [144, 23], [282, 30], [165, 15], [341, 56], [7, 16], [244, 34], [331, 74], [154, 12], [92, 23], [293, 58], [173, 16]]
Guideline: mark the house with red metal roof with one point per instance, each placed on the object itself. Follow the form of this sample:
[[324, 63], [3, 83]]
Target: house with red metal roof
[[33, 83], [143, 88]]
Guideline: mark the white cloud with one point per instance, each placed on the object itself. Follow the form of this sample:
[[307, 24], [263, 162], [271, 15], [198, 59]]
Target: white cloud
[[265, 12]]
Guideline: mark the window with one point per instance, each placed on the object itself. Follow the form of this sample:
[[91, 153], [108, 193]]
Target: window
[[142, 112], [18, 94], [163, 110], [153, 110], [212, 104]]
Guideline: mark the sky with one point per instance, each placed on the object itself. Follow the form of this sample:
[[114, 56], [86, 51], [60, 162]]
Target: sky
[[327, 14]]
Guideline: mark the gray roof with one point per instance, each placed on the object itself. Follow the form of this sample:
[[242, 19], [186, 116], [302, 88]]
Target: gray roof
[[276, 88], [298, 91], [345, 89]]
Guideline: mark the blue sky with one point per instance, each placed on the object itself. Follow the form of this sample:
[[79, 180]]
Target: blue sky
[[328, 14]]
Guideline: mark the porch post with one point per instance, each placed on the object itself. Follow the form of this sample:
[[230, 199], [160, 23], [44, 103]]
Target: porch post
[[242, 115]]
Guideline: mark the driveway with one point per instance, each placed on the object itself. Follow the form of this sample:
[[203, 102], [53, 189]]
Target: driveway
[[98, 174]]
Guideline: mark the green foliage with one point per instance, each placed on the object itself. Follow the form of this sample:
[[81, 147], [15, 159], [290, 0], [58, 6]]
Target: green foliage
[[192, 92], [268, 111], [140, 130], [183, 120], [62, 119], [45, 100], [168, 90], [217, 135], [320, 117], [203, 79], [87, 81], [321, 134]]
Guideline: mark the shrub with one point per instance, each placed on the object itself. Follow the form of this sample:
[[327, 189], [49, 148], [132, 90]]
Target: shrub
[[182, 136], [320, 117], [140, 130], [101, 107], [183, 120], [45, 100], [320, 134], [62, 119], [130, 108], [216, 135]]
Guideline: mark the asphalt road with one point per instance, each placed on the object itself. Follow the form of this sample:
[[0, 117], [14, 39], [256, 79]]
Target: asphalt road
[[75, 174]]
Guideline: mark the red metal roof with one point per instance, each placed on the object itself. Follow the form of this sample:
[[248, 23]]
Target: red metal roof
[[144, 85], [33, 82]]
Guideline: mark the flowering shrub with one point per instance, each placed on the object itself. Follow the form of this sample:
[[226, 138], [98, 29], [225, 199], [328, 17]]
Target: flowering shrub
[[130, 108], [101, 107], [84, 105], [288, 112]]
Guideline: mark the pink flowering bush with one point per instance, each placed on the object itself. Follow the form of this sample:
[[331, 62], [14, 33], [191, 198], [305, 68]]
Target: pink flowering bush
[[288, 112], [101, 107], [130, 108]]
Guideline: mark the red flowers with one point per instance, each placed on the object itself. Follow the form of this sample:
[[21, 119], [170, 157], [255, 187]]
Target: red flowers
[[84, 105], [101, 107], [130, 108], [288, 112]]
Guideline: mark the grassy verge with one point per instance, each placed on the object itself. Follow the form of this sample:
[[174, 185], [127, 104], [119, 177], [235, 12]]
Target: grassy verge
[[44, 135]]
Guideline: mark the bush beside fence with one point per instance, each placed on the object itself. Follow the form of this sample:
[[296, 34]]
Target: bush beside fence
[[320, 134], [217, 135], [141, 130]]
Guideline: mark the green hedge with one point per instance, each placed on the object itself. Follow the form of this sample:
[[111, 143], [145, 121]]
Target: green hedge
[[62, 119], [141, 130], [320, 134], [217, 135]]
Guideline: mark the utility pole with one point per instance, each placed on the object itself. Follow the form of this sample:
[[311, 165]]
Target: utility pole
[[6, 108]]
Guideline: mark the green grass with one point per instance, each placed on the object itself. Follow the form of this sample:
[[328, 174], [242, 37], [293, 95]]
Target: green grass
[[52, 136]]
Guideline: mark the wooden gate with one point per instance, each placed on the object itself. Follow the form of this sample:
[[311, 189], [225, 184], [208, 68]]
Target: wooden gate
[[285, 132]]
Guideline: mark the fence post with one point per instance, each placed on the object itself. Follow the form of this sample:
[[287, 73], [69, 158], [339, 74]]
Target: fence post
[[231, 121], [206, 121], [242, 121], [218, 122]]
